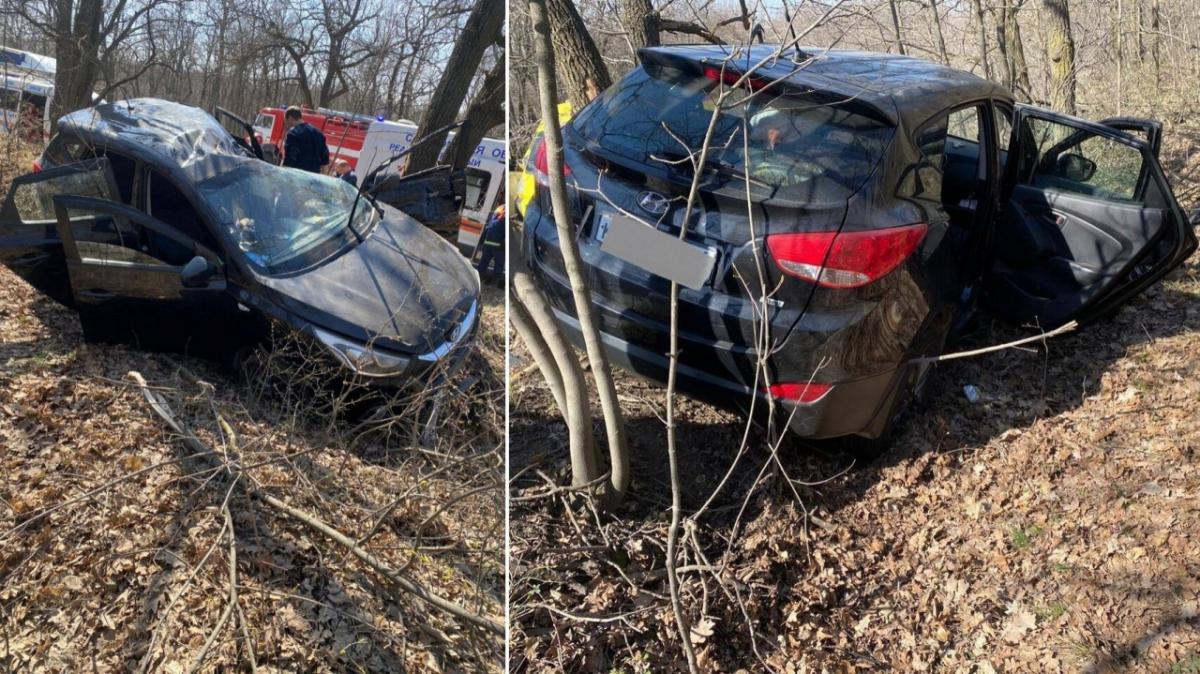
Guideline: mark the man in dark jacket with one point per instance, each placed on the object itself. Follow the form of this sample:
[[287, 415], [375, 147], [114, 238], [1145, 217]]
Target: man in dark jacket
[[305, 147]]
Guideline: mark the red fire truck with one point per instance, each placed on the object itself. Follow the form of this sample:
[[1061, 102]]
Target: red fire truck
[[344, 132]]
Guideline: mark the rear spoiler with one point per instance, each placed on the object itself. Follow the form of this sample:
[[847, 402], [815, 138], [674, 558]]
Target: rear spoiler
[[777, 79]]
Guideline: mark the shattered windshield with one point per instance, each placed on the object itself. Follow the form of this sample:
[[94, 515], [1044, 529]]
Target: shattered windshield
[[284, 219]]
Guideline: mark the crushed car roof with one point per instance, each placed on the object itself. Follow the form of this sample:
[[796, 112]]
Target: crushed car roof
[[902, 87], [171, 133]]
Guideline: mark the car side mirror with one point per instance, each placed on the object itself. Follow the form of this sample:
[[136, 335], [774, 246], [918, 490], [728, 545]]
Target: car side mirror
[[1076, 167], [196, 273]]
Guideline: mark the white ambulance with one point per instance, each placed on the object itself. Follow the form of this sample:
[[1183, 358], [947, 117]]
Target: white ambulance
[[25, 79]]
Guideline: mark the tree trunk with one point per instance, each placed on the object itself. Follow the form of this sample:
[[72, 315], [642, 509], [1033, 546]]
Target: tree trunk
[[579, 60], [641, 23], [77, 47], [1060, 51], [1016, 71], [898, 37], [983, 43], [486, 110], [937, 32], [614, 423], [482, 31], [560, 366]]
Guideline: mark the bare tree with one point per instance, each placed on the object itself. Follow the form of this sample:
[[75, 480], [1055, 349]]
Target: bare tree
[[1060, 52], [483, 30]]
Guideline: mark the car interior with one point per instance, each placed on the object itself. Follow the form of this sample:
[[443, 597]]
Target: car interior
[[1082, 208], [951, 144], [157, 197]]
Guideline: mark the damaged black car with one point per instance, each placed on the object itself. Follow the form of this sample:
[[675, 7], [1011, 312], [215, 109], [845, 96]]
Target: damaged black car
[[859, 207], [167, 232]]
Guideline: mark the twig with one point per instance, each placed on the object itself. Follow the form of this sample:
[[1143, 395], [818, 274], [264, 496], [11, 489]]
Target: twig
[[1062, 329]]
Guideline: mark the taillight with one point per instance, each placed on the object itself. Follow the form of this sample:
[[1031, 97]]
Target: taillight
[[37, 165], [731, 77], [541, 164], [846, 259], [803, 392]]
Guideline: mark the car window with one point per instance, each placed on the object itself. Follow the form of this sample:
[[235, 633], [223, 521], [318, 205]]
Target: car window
[[284, 219], [477, 187], [124, 170], [64, 149], [801, 144], [964, 124], [1003, 127], [166, 203], [107, 239], [1070, 160], [34, 201]]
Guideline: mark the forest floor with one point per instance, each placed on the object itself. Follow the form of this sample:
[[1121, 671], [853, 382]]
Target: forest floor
[[1053, 525], [136, 576]]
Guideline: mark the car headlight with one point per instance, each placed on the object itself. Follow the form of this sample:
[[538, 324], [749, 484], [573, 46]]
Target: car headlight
[[360, 358]]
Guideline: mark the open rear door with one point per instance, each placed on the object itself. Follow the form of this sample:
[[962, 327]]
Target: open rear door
[[1089, 222], [30, 244]]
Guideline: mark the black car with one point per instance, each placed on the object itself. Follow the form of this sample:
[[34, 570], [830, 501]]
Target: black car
[[859, 207], [163, 230]]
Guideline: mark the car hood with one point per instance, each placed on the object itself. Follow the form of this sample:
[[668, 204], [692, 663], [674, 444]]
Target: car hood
[[404, 288]]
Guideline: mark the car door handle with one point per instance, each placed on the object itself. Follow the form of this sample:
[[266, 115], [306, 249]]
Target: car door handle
[[97, 295], [31, 258]]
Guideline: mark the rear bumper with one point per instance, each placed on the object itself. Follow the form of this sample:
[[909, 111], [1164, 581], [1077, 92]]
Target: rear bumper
[[857, 407]]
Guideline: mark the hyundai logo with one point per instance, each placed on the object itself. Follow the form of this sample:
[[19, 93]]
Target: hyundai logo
[[653, 202]]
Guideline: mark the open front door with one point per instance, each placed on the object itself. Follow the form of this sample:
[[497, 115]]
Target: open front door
[[432, 197], [137, 280], [1090, 221], [29, 240]]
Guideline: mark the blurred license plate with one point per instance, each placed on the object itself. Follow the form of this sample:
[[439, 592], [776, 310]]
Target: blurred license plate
[[655, 251]]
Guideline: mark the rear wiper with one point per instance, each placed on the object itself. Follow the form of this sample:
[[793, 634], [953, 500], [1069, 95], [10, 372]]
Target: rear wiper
[[369, 179]]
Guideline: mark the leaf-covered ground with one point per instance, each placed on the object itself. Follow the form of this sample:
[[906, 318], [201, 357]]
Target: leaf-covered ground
[[1051, 526], [137, 577]]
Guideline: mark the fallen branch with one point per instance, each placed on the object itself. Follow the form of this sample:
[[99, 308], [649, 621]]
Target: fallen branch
[[1062, 329], [164, 411]]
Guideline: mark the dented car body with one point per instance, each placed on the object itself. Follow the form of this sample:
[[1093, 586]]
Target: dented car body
[[164, 231], [859, 208]]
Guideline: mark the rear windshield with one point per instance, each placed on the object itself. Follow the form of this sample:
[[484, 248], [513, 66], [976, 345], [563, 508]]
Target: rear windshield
[[794, 145]]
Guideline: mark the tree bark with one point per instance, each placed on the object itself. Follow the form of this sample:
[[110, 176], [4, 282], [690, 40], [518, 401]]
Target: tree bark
[[1060, 51], [983, 42], [486, 110], [583, 70], [1008, 34], [77, 48], [937, 32], [481, 31], [614, 423], [898, 38], [641, 23]]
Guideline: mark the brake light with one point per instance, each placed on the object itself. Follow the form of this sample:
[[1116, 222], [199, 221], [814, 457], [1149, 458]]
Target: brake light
[[846, 259], [731, 77], [803, 392], [37, 165], [541, 164]]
